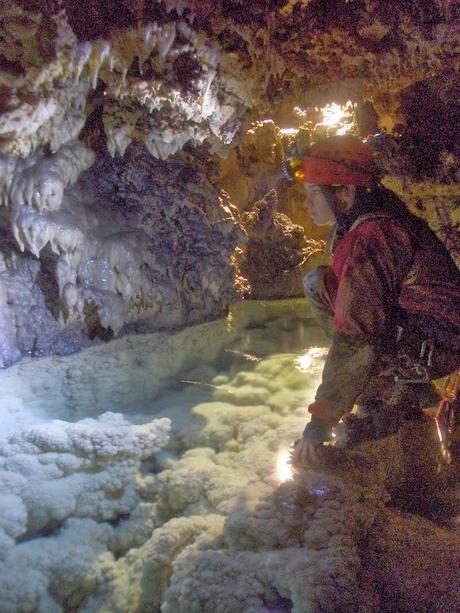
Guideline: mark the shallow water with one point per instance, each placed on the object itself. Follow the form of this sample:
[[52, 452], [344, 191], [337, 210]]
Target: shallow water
[[86, 506], [142, 376]]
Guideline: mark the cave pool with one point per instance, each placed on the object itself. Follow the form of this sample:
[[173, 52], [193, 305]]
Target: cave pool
[[235, 391], [160, 374]]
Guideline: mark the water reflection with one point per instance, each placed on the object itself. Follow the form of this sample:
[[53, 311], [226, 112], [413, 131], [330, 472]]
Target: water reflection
[[305, 360], [283, 466]]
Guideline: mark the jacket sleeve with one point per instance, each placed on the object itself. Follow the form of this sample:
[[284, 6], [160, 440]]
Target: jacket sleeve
[[366, 304], [346, 373]]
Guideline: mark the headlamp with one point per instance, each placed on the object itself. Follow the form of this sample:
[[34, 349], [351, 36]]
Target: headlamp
[[293, 169]]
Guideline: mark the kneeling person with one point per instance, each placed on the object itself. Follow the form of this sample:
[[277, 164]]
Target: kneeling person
[[390, 301]]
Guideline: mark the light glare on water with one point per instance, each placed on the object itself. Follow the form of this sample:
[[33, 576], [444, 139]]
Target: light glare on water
[[283, 466], [305, 360]]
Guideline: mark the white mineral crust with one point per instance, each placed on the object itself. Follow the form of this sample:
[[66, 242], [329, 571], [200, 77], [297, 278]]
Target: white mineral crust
[[56, 471]]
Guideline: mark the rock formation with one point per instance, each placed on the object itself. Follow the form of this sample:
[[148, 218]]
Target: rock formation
[[164, 87], [273, 258], [101, 524], [132, 244]]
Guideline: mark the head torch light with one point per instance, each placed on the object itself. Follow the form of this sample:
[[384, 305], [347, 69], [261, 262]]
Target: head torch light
[[293, 169], [335, 160]]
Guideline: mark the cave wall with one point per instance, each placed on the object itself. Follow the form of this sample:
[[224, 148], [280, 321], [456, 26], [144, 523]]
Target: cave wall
[[133, 137], [133, 245], [167, 73], [251, 170]]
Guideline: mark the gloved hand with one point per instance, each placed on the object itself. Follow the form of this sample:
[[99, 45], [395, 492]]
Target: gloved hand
[[317, 431], [305, 453]]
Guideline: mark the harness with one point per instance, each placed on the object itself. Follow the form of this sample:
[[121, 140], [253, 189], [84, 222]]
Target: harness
[[447, 416], [414, 371]]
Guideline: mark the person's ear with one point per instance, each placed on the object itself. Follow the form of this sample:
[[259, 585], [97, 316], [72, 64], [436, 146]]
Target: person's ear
[[347, 196]]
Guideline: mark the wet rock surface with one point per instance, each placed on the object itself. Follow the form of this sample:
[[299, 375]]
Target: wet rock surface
[[136, 245], [274, 257]]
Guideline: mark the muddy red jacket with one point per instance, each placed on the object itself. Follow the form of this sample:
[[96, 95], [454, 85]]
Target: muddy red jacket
[[387, 271]]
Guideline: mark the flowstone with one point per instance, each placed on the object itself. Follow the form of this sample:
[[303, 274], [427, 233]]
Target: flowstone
[[65, 481]]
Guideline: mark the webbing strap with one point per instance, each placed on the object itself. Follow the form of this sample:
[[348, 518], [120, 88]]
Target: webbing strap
[[359, 220]]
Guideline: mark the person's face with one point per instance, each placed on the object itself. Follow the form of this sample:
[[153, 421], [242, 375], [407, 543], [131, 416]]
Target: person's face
[[318, 205]]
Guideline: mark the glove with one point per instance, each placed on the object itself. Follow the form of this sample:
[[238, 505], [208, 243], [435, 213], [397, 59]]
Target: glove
[[317, 431], [305, 452], [304, 455]]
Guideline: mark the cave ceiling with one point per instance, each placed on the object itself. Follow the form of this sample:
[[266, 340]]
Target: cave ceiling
[[176, 72]]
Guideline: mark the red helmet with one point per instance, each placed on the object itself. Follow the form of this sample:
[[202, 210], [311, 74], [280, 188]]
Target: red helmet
[[338, 160]]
